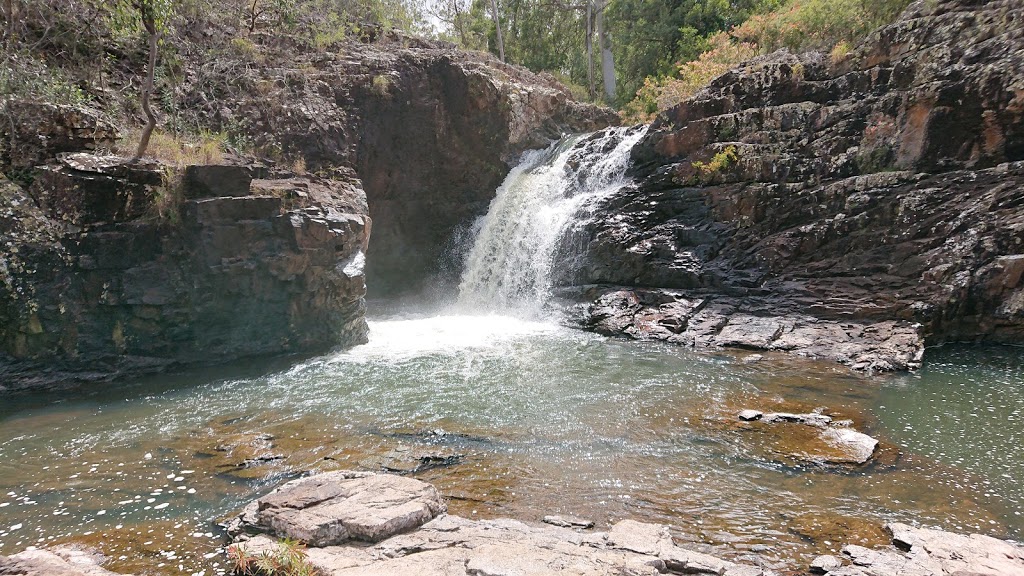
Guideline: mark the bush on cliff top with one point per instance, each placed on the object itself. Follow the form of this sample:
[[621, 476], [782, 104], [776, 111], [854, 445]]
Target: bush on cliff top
[[798, 25]]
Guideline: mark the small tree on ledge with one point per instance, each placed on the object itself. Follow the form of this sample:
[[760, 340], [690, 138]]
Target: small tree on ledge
[[154, 17]]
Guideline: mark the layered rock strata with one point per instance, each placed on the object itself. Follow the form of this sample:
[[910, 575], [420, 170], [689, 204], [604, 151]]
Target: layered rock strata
[[113, 268], [855, 208]]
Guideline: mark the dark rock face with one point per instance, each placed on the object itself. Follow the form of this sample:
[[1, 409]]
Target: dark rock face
[[854, 210], [430, 130], [97, 283], [34, 132]]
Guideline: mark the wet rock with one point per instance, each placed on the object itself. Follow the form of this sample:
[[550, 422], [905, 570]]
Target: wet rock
[[825, 563], [929, 552], [748, 415], [817, 420], [858, 446], [335, 507], [410, 460], [568, 522], [56, 561]]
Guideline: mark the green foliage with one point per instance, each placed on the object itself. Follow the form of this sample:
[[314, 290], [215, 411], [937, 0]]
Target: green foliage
[[801, 25], [25, 77], [652, 37], [129, 18], [719, 162], [658, 95], [831, 25], [381, 85], [288, 559]]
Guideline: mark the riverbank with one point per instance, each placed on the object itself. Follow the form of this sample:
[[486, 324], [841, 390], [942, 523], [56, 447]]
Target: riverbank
[[366, 523]]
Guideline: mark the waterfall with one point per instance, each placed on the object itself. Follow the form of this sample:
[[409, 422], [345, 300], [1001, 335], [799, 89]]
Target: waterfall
[[549, 193]]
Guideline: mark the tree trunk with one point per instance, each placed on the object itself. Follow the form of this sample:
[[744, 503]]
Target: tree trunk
[[460, 26], [9, 14], [497, 27], [147, 92], [604, 44], [590, 49], [252, 17]]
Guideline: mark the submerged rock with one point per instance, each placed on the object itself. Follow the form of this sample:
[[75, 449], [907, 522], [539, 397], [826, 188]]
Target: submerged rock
[[811, 437], [56, 561]]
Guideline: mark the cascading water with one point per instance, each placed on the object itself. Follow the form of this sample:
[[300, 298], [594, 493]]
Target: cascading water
[[551, 191]]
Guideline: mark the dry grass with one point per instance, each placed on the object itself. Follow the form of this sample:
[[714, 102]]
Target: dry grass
[[178, 151]]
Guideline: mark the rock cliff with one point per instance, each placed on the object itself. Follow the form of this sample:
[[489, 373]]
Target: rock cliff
[[853, 208], [104, 276], [113, 268], [430, 130]]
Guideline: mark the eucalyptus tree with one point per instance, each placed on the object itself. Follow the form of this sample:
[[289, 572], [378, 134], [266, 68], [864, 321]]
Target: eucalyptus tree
[[152, 16]]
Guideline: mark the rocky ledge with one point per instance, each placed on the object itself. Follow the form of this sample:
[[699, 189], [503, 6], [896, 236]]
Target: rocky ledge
[[855, 209], [366, 523], [113, 268]]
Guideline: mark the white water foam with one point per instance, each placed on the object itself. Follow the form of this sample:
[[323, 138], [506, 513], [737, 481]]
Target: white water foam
[[407, 338]]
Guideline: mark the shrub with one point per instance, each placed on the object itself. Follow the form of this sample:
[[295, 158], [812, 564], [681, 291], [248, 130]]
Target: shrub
[[25, 77], [656, 96], [802, 25], [719, 162], [288, 559]]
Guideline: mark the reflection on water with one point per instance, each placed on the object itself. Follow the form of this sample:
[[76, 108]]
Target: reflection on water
[[544, 420]]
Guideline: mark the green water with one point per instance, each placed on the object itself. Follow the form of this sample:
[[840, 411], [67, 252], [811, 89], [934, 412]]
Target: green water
[[546, 420]]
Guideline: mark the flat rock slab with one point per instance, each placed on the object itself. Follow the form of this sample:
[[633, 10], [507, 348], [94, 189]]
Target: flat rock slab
[[335, 507], [928, 552], [451, 546], [57, 561], [569, 522]]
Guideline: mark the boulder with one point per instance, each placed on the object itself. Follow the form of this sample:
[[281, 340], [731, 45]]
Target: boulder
[[332, 508]]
